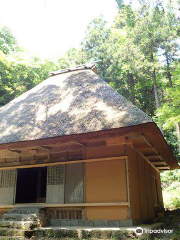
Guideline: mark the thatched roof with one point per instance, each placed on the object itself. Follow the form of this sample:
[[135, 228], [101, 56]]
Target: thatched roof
[[73, 101]]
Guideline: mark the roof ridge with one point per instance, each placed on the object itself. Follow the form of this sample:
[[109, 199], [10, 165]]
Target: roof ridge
[[78, 67]]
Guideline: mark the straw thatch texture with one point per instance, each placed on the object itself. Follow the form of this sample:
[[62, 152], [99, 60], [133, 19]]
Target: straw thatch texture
[[69, 103]]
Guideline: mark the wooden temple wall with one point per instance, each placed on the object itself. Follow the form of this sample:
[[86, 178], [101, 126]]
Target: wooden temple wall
[[145, 187], [106, 182], [128, 180]]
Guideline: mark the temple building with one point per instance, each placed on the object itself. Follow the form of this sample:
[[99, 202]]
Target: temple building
[[82, 153]]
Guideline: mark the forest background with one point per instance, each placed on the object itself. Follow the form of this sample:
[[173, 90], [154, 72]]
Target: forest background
[[138, 55]]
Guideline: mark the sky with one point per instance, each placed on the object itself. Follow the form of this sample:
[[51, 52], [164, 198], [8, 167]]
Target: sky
[[48, 28]]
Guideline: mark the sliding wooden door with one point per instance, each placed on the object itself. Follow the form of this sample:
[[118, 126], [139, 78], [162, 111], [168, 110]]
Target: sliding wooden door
[[74, 184], [65, 183], [8, 186], [55, 184]]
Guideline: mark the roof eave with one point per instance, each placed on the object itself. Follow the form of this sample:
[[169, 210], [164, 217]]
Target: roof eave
[[149, 128], [156, 136]]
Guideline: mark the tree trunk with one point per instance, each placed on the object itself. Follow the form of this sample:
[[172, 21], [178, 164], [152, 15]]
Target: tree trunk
[[178, 134], [116, 83], [155, 83], [155, 89], [132, 84], [168, 71]]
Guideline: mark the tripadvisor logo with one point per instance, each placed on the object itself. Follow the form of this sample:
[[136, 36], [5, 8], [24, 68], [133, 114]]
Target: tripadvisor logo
[[139, 231]]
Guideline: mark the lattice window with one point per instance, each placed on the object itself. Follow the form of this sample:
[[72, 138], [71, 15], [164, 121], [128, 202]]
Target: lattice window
[[56, 175], [8, 178]]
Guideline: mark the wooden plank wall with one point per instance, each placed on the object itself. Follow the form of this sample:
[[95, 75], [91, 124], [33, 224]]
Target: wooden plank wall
[[156, 175], [141, 186], [102, 152], [150, 200], [106, 182], [159, 188], [134, 184]]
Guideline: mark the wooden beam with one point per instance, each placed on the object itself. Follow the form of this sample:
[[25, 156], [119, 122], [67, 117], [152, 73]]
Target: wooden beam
[[158, 163], [142, 155], [47, 162], [64, 148], [127, 182], [14, 150], [142, 148], [80, 144], [94, 144], [134, 136], [116, 141], [45, 205], [72, 146], [33, 151], [103, 134], [162, 167], [142, 135], [139, 152], [46, 147], [152, 156], [149, 157], [147, 141]]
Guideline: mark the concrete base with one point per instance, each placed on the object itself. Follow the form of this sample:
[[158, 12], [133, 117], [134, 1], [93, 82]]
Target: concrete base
[[86, 223]]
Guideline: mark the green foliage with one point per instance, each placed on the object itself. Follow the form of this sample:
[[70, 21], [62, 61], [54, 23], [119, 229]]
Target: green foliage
[[169, 114], [176, 235], [120, 3], [8, 42], [170, 135], [138, 58], [171, 196], [75, 57], [170, 111], [171, 188], [18, 75], [169, 177]]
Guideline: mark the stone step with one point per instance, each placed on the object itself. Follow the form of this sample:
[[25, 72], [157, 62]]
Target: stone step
[[20, 217], [24, 225], [30, 210], [15, 232], [83, 233], [20, 222], [53, 233]]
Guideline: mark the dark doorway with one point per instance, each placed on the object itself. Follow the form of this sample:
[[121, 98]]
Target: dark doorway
[[31, 185]]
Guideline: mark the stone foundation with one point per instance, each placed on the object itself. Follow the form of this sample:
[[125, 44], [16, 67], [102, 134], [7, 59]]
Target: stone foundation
[[86, 223]]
